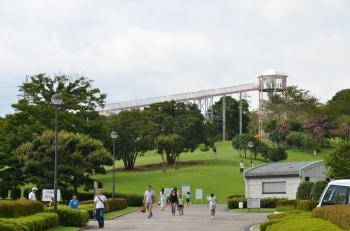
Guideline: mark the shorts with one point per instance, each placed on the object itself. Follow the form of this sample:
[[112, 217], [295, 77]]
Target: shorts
[[212, 206], [181, 206], [188, 200]]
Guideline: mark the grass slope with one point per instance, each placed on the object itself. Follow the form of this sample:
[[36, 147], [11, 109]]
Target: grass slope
[[219, 176]]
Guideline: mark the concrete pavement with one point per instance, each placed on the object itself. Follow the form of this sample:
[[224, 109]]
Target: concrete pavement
[[196, 217]]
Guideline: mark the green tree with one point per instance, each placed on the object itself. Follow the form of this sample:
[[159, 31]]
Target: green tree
[[317, 189], [240, 143], [80, 156], [277, 154], [273, 136], [172, 145], [338, 161], [232, 116], [295, 139], [304, 190], [338, 108]]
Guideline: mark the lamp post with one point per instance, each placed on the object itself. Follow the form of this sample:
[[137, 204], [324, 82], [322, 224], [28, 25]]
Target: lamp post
[[56, 100], [114, 136], [251, 145]]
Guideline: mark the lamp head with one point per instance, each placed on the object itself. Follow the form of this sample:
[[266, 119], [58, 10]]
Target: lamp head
[[57, 99], [114, 135]]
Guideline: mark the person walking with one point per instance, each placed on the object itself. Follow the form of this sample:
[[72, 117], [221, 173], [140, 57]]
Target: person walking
[[149, 199], [100, 202], [162, 199], [31, 195], [214, 152], [188, 199], [241, 167], [73, 203], [173, 201], [181, 205], [212, 201]]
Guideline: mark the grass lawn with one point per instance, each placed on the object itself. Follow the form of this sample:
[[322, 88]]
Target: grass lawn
[[219, 176]]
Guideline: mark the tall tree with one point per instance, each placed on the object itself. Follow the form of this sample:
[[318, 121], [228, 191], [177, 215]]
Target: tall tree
[[232, 116], [80, 156], [338, 108], [338, 161]]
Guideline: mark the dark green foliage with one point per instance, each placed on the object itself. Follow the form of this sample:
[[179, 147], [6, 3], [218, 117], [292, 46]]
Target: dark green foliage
[[20, 208], [277, 154], [269, 202], [71, 217], [11, 226], [336, 214], [317, 189], [338, 161], [286, 203], [304, 190], [298, 224], [306, 205], [131, 199]]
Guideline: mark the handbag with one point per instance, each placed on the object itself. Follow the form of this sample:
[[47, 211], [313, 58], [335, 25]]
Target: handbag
[[143, 209]]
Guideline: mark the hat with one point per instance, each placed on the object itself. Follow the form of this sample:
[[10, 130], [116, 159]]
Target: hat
[[34, 188]]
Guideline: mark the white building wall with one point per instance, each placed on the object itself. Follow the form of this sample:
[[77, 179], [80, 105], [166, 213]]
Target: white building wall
[[253, 187], [316, 173]]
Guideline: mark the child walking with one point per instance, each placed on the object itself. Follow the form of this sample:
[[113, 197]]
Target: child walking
[[181, 205]]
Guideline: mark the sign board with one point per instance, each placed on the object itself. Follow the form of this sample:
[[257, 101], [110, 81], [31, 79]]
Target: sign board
[[168, 191], [199, 194], [185, 188], [49, 193], [253, 203]]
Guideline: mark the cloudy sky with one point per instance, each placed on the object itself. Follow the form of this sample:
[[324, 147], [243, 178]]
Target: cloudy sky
[[137, 49]]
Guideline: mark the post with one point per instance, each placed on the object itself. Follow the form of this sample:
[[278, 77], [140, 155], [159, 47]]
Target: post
[[240, 113], [251, 145], [223, 118], [56, 160], [113, 190]]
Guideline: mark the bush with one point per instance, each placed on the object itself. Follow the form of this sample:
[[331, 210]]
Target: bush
[[277, 154], [336, 214], [4, 192], [234, 203], [290, 213], [269, 202], [317, 189], [71, 217], [284, 203], [14, 209], [304, 190], [131, 199], [306, 205], [37, 222], [15, 193], [235, 196], [298, 224]]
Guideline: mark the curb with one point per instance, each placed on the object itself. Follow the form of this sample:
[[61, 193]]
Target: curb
[[111, 218]]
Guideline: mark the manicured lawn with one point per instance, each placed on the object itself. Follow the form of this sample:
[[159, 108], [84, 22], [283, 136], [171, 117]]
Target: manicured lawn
[[219, 176]]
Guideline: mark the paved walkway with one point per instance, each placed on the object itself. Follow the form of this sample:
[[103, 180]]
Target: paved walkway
[[196, 217]]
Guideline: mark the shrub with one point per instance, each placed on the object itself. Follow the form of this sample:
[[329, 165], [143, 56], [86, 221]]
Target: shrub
[[15, 193], [306, 205], [336, 214], [235, 196], [277, 154], [263, 226], [317, 189], [304, 190], [70, 217], [4, 192], [234, 203], [290, 213], [290, 203], [298, 224], [13, 209], [39, 221], [269, 202], [131, 199]]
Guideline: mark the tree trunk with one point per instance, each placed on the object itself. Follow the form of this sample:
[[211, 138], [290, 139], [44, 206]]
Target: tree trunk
[[163, 163]]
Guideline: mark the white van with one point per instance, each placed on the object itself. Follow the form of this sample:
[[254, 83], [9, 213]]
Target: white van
[[335, 193]]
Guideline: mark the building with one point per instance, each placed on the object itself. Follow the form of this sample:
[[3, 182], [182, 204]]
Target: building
[[281, 179]]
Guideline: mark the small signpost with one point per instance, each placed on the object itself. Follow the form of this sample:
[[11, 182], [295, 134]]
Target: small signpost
[[253, 204], [199, 194]]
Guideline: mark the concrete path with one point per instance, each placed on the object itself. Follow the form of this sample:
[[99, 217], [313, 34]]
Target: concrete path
[[196, 217]]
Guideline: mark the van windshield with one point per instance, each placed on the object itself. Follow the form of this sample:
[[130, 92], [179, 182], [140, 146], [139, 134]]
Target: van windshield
[[336, 195]]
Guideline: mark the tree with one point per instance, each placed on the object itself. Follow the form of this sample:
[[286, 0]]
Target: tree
[[317, 189], [273, 136], [35, 113], [283, 130], [240, 142], [136, 134], [295, 139], [172, 145], [277, 154], [79, 157], [338, 108], [232, 116], [304, 190], [338, 161], [318, 129]]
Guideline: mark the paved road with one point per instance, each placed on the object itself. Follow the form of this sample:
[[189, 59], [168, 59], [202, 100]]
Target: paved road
[[196, 217]]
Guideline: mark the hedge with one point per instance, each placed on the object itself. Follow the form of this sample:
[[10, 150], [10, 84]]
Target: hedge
[[37, 222], [268, 202], [71, 217], [22, 208], [306, 205], [120, 204], [336, 214], [133, 200], [298, 224]]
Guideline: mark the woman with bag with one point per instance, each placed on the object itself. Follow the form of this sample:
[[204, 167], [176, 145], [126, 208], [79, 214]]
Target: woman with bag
[[173, 201]]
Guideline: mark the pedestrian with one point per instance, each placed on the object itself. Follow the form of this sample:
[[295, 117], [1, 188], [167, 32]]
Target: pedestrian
[[188, 199], [212, 201], [162, 199], [32, 194], [52, 202], [181, 205], [149, 199], [73, 203], [214, 152], [241, 167], [174, 201], [100, 203]]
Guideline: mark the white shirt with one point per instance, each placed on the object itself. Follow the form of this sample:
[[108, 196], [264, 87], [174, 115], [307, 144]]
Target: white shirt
[[31, 196], [162, 196], [99, 203], [149, 196], [241, 165], [212, 200]]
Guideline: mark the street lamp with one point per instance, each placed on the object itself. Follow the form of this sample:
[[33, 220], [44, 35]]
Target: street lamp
[[251, 145], [114, 136], [56, 100]]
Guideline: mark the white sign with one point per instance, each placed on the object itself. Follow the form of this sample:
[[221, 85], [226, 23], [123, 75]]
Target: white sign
[[49, 193], [253, 203], [185, 188], [199, 194]]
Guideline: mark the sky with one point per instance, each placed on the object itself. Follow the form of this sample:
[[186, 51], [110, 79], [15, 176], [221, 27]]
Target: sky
[[137, 49]]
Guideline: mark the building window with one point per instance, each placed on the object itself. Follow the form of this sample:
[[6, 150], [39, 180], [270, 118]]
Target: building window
[[274, 187], [307, 178], [328, 180]]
